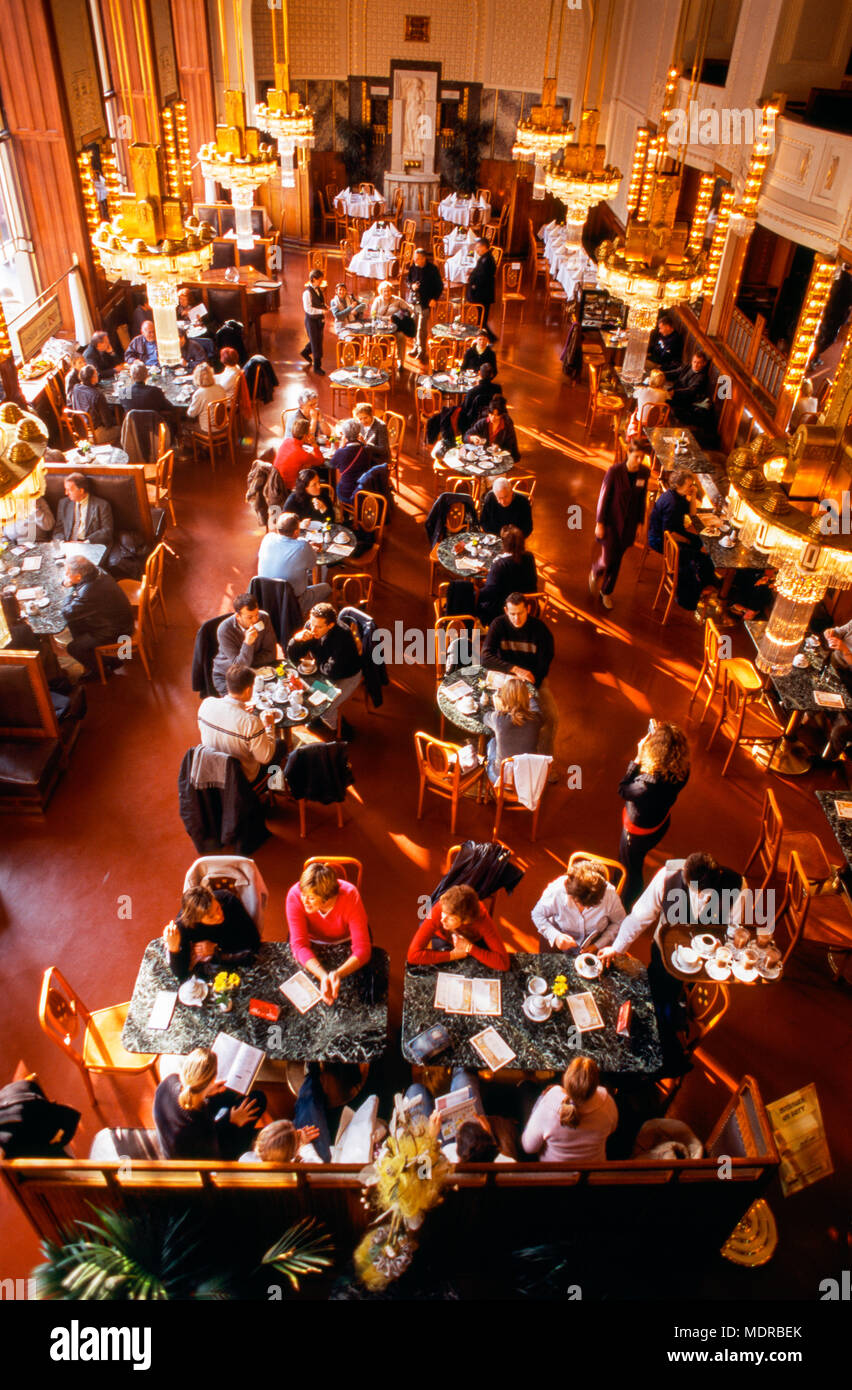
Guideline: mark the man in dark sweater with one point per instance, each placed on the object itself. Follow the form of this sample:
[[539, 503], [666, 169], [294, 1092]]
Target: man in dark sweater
[[97, 611], [212, 926], [246, 638], [666, 346], [145, 396], [336, 654], [692, 387], [503, 507], [482, 284], [480, 351], [99, 354], [518, 644], [425, 287]]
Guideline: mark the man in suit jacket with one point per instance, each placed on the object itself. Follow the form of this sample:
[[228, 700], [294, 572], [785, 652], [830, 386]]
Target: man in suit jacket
[[482, 284], [97, 610], [143, 348], [100, 354], [81, 516]]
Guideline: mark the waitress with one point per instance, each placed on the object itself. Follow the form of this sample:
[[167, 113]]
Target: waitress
[[650, 787]]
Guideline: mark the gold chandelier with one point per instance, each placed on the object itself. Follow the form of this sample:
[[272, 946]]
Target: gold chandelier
[[237, 159], [282, 115], [545, 132], [580, 176]]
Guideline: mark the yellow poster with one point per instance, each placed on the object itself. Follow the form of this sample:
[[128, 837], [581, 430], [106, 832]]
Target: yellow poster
[[800, 1135]]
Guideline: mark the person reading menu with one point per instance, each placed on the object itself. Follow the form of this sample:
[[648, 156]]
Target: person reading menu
[[324, 910], [458, 926], [211, 926]]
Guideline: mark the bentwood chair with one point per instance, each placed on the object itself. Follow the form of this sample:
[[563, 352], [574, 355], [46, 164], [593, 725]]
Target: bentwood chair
[[706, 1005], [604, 404], [506, 797], [81, 425], [742, 693], [161, 482], [219, 434], [524, 484], [713, 667], [429, 402], [369, 517], [138, 639], [92, 1040], [395, 425], [352, 591], [152, 580], [668, 582], [511, 280], [611, 868], [440, 773], [352, 870]]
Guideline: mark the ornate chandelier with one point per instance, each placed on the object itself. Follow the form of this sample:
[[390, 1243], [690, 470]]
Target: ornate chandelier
[[545, 131], [149, 242], [237, 159], [282, 114], [581, 178]]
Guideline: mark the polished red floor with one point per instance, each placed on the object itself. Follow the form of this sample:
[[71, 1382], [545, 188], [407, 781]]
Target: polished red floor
[[112, 832]]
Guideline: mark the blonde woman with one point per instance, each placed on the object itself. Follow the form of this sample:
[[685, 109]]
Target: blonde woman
[[650, 787], [197, 1117], [207, 390], [572, 1122], [655, 393], [385, 304], [324, 910], [516, 723]]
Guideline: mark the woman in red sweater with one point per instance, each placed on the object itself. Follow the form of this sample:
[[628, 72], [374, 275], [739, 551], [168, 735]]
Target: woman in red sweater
[[324, 910], [458, 926]]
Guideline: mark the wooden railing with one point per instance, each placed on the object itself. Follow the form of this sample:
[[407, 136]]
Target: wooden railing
[[762, 361]]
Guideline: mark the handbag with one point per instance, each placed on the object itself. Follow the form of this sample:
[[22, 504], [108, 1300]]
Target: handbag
[[404, 323], [429, 1043]]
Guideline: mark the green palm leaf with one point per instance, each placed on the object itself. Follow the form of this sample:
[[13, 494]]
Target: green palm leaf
[[303, 1249]]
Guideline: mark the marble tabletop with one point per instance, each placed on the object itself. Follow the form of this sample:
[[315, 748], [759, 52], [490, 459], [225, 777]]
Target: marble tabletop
[[46, 618], [102, 455], [454, 330], [175, 383], [352, 1030], [474, 677], [733, 557], [486, 547], [664, 440], [449, 384], [543, 1046], [796, 690], [354, 381], [476, 461], [269, 695], [320, 539], [841, 828]]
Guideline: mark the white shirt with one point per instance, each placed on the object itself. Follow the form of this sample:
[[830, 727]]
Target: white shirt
[[227, 726], [309, 306], [556, 913], [201, 401], [228, 378], [648, 910]]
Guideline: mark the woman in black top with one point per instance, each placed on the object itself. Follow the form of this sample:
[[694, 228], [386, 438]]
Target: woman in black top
[[650, 788], [495, 427], [212, 926], [306, 500], [512, 572], [197, 1117]]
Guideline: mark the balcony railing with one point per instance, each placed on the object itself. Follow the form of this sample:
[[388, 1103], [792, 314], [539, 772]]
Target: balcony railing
[[760, 359]]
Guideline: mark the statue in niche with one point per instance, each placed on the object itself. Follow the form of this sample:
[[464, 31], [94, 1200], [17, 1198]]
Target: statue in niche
[[415, 121]]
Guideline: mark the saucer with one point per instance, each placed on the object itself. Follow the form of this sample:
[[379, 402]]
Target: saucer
[[769, 972], [679, 964], [535, 1018], [717, 971], [193, 993], [588, 966], [294, 713], [801, 661], [705, 944], [744, 973]]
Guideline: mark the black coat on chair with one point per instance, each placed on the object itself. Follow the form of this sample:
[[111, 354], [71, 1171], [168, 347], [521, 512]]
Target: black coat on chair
[[276, 597]]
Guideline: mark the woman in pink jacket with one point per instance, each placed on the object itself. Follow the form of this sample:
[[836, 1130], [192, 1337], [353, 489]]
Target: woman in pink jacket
[[323, 910]]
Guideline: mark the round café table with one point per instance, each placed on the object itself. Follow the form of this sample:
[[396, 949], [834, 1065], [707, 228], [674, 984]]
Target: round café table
[[479, 462], [474, 560], [471, 723], [332, 546], [374, 265], [457, 267], [356, 204], [450, 384], [460, 210], [458, 332], [271, 692], [366, 379]]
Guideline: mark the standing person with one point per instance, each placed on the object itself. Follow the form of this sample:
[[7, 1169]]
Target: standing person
[[650, 787], [482, 284], [313, 303], [621, 510], [425, 286]]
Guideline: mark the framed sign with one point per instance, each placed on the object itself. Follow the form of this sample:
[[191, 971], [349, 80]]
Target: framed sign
[[80, 75], [34, 330]]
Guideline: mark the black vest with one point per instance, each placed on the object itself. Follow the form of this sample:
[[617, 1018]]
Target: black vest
[[677, 909], [317, 297]]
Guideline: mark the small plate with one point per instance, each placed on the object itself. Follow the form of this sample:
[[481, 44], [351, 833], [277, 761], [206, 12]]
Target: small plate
[[14, 571], [679, 964], [533, 1018], [299, 713], [717, 971], [193, 993], [588, 966], [801, 660], [744, 973], [42, 603], [267, 672]]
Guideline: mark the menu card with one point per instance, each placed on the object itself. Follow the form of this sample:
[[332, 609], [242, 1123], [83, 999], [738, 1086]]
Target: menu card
[[843, 809], [457, 690], [32, 562], [584, 1011], [493, 1049], [164, 1007], [457, 994], [239, 1062], [828, 699], [301, 991]]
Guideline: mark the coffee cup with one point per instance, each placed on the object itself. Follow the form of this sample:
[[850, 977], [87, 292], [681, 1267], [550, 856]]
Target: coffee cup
[[688, 956], [724, 955], [751, 956], [764, 933], [538, 1006], [537, 985]]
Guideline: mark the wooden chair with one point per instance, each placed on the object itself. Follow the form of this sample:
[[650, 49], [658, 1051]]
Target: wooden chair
[[440, 772], [395, 425], [671, 567], [497, 253], [161, 483], [602, 403], [370, 514], [443, 311], [539, 605], [138, 638], [409, 230], [318, 260], [380, 355], [328, 214], [352, 590], [441, 355], [470, 314], [348, 357], [456, 482], [713, 668], [54, 394], [742, 690], [218, 435], [652, 415], [524, 484], [152, 579], [768, 844], [352, 870], [511, 280], [484, 193], [541, 270], [651, 495], [793, 913], [506, 796], [489, 902], [429, 402], [554, 294], [92, 1040], [80, 424], [615, 872]]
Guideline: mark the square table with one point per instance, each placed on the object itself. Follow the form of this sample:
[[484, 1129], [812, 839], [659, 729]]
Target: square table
[[47, 618], [542, 1046], [841, 828], [354, 1029], [796, 695]]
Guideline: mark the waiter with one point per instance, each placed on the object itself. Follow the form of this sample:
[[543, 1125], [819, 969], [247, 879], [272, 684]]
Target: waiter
[[425, 286], [482, 284], [621, 510], [314, 305]]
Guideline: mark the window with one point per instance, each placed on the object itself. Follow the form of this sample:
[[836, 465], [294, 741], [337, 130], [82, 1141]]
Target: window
[[17, 271]]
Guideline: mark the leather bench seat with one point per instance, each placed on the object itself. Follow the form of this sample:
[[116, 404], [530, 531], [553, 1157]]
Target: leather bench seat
[[28, 772]]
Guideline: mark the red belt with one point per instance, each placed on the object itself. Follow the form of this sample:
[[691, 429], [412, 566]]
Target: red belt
[[640, 829]]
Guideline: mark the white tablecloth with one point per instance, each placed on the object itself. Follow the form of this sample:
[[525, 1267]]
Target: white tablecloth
[[458, 210], [458, 238], [457, 268], [378, 238], [358, 204], [573, 271], [375, 264]]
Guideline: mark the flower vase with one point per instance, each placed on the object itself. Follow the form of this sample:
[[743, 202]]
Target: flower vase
[[225, 1003]]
